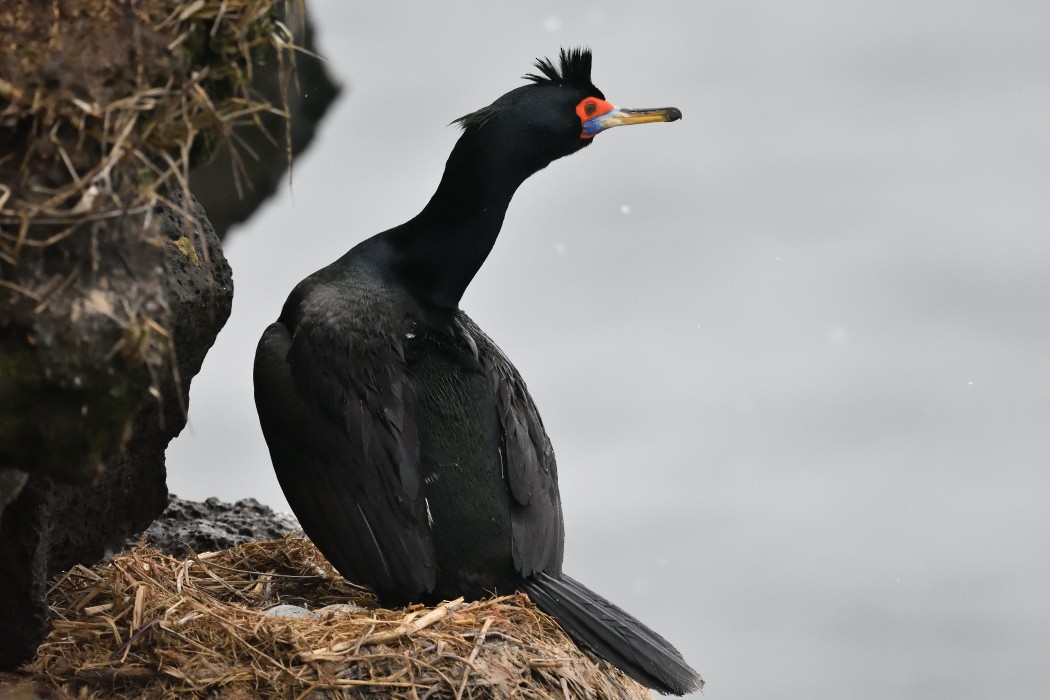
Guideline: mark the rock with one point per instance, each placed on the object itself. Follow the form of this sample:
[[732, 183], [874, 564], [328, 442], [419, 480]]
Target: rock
[[24, 574], [211, 526], [53, 525], [11, 483]]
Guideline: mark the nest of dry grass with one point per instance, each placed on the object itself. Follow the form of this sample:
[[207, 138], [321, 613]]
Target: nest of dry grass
[[105, 104], [148, 625]]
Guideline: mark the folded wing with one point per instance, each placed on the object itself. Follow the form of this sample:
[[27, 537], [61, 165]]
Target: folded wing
[[337, 413]]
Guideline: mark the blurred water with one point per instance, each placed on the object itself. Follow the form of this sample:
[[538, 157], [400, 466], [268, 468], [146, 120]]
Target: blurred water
[[792, 351]]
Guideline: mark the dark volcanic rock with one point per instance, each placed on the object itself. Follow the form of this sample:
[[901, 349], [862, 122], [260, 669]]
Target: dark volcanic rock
[[23, 575], [192, 526], [76, 360], [52, 525]]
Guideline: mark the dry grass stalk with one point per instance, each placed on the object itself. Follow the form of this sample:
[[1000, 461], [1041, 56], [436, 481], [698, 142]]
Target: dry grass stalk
[[150, 625]]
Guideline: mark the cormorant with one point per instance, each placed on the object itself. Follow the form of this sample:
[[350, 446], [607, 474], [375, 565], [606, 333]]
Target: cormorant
[[405, 441]]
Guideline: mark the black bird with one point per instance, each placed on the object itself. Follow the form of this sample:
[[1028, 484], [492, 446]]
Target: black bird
[[404, 439]]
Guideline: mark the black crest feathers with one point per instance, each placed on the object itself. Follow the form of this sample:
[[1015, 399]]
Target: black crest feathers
[[575, 69]]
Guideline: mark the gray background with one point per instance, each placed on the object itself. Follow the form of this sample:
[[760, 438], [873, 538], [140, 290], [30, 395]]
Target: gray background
[[792, 350]]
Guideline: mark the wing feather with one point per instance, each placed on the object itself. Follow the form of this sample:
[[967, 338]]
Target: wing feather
[[337, 414], [528, 460]]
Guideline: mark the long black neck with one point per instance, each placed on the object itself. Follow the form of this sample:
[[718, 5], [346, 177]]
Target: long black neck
[[438, 252]]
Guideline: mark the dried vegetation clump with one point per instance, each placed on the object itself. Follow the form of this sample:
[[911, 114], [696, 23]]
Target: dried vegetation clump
[[105, 104], [148, 625]]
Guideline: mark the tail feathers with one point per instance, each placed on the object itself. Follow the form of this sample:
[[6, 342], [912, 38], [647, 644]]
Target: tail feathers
[[598, 625]]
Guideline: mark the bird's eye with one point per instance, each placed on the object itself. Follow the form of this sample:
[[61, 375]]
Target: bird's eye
[[591, 107]]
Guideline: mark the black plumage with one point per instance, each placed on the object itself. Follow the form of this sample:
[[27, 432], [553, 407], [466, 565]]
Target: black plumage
[[404, 439]]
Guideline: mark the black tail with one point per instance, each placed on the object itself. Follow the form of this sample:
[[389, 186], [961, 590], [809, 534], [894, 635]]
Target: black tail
[[598, 625]]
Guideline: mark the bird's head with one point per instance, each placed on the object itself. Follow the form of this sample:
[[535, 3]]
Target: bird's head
[[559, 112]]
